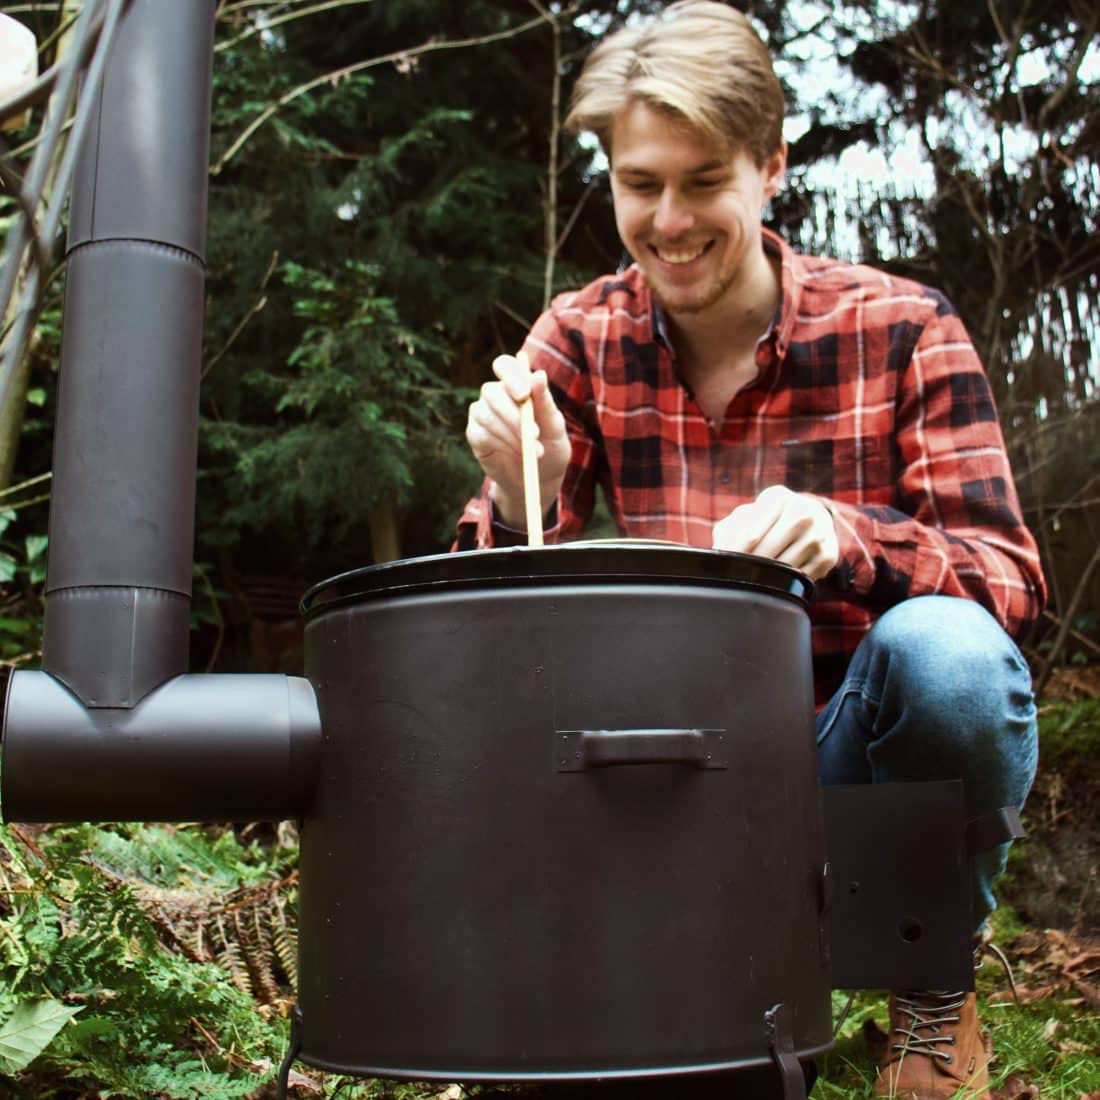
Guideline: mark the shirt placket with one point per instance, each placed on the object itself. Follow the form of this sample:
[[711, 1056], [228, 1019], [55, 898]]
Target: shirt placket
[[738, 443]]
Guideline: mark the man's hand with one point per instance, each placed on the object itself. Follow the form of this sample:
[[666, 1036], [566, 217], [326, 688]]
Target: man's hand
[[493, 433], [788, 527]]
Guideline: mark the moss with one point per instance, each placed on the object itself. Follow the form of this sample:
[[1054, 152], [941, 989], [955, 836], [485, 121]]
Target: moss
[[1069, 733]]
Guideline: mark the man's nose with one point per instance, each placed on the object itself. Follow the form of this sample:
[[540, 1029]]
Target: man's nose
[[672, 216]]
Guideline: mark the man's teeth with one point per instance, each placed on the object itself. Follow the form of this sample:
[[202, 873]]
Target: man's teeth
[[681, 256]]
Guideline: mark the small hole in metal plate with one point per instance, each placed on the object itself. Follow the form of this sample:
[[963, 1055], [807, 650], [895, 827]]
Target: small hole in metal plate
[[910, 930]]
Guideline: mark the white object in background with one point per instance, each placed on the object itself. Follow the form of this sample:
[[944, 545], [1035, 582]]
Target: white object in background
[[18, 66]]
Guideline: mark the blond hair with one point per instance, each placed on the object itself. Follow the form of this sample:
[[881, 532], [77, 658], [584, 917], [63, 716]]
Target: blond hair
[[700, 62]]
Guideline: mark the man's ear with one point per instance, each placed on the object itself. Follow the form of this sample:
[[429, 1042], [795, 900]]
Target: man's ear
[[775, 167]]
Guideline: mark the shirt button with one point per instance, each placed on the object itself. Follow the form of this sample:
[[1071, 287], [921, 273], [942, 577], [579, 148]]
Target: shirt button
[[724, 477]]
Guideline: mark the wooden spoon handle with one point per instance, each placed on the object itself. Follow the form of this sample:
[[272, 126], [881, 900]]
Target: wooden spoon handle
[[532, 498]]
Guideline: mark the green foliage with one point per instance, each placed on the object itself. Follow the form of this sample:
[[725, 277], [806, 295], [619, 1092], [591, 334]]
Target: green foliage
[[359, 414], [28, 1031], [1069, 733], [98, 990], [376, 238], [22, 575]]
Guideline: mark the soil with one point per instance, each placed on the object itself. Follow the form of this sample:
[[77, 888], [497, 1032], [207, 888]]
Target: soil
[[1053, 879]]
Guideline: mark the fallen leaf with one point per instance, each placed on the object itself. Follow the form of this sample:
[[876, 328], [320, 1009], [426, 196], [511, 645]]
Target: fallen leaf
[[1015, 1088], [298, 1080], [1089, 992], [298, 1084], [1069, 1046], [1088, 960], [1026, 995], [30, 1029]]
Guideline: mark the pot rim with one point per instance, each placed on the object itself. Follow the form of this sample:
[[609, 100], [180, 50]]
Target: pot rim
[[597, 561]]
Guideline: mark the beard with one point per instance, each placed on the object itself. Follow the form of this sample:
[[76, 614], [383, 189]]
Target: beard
[[695, 301]]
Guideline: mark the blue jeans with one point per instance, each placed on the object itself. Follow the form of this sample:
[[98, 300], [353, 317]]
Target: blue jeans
[[937, 690]]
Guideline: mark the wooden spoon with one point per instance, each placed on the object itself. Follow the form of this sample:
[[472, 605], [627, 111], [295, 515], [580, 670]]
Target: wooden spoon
[[528, 434]]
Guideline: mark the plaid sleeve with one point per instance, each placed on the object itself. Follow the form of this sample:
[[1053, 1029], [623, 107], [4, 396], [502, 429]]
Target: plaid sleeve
[[557, 347], [957, 530]]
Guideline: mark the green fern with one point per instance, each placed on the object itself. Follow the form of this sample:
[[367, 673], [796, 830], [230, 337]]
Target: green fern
[[129, 957]]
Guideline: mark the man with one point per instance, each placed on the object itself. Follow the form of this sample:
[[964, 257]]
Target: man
[[724, 391]]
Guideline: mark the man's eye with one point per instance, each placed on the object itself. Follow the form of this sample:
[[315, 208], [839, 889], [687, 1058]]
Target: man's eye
[[644, 187], [708, 184]]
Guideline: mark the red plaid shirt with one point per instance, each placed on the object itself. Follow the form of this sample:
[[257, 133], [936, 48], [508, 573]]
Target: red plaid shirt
[[869, 395]]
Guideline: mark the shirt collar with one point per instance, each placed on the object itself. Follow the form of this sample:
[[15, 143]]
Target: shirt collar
[[790, 290]]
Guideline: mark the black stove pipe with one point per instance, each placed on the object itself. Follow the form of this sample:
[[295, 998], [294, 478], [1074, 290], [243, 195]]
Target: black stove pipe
[[111, 729], [118, 585]]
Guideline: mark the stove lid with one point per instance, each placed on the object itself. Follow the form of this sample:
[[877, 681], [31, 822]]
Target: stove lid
[[595, 562]]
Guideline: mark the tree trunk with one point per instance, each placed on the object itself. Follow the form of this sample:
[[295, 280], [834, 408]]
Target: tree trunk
[[385, 540]]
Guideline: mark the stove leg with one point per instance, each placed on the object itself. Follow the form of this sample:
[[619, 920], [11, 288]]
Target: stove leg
[[283, 1083], [777, 1026]]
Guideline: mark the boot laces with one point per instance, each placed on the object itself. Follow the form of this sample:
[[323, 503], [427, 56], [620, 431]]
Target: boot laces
[[921, 1018], [983, 942]]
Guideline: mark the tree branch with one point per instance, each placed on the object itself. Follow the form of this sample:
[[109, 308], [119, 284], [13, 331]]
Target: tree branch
[[337, 75], [298, 13], [11, 490], [1067, 623], [1071, 81], [593, 183], [550, 212], [511, 313], [255, 308]]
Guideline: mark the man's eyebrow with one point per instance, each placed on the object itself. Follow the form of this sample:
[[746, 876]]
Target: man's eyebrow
[[629, 169]]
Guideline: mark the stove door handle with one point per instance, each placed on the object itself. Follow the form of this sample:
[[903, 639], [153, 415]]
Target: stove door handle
[[581, 750]]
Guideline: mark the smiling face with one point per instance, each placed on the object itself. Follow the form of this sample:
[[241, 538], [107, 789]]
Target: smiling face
[[688, 211]]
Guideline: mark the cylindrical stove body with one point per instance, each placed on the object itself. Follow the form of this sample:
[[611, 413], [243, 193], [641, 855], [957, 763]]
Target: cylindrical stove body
[[494, 883]]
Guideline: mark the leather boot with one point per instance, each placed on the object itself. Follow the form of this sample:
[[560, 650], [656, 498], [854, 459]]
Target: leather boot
[[937, 1048]]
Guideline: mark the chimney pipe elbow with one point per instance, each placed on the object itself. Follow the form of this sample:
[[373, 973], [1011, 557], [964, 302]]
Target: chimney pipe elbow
[[199, 748]]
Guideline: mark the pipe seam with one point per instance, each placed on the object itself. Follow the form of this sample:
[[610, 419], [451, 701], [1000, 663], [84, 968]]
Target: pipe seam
[[141, 244]]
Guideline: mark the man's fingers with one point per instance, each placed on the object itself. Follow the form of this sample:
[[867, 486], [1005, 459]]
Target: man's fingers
[[786, 531], [487, 436], [807, 555], [496, 403], [493, 431], [514, 375], [548, 416], [789, 527], [743, 529], [492, 424]]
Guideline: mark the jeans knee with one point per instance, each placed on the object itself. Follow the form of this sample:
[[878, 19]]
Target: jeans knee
[[953, 699], [949, 655]]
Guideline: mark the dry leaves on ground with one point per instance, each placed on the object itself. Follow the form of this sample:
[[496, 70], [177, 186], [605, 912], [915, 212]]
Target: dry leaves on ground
[[1052, 961], [1015, 1088]]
